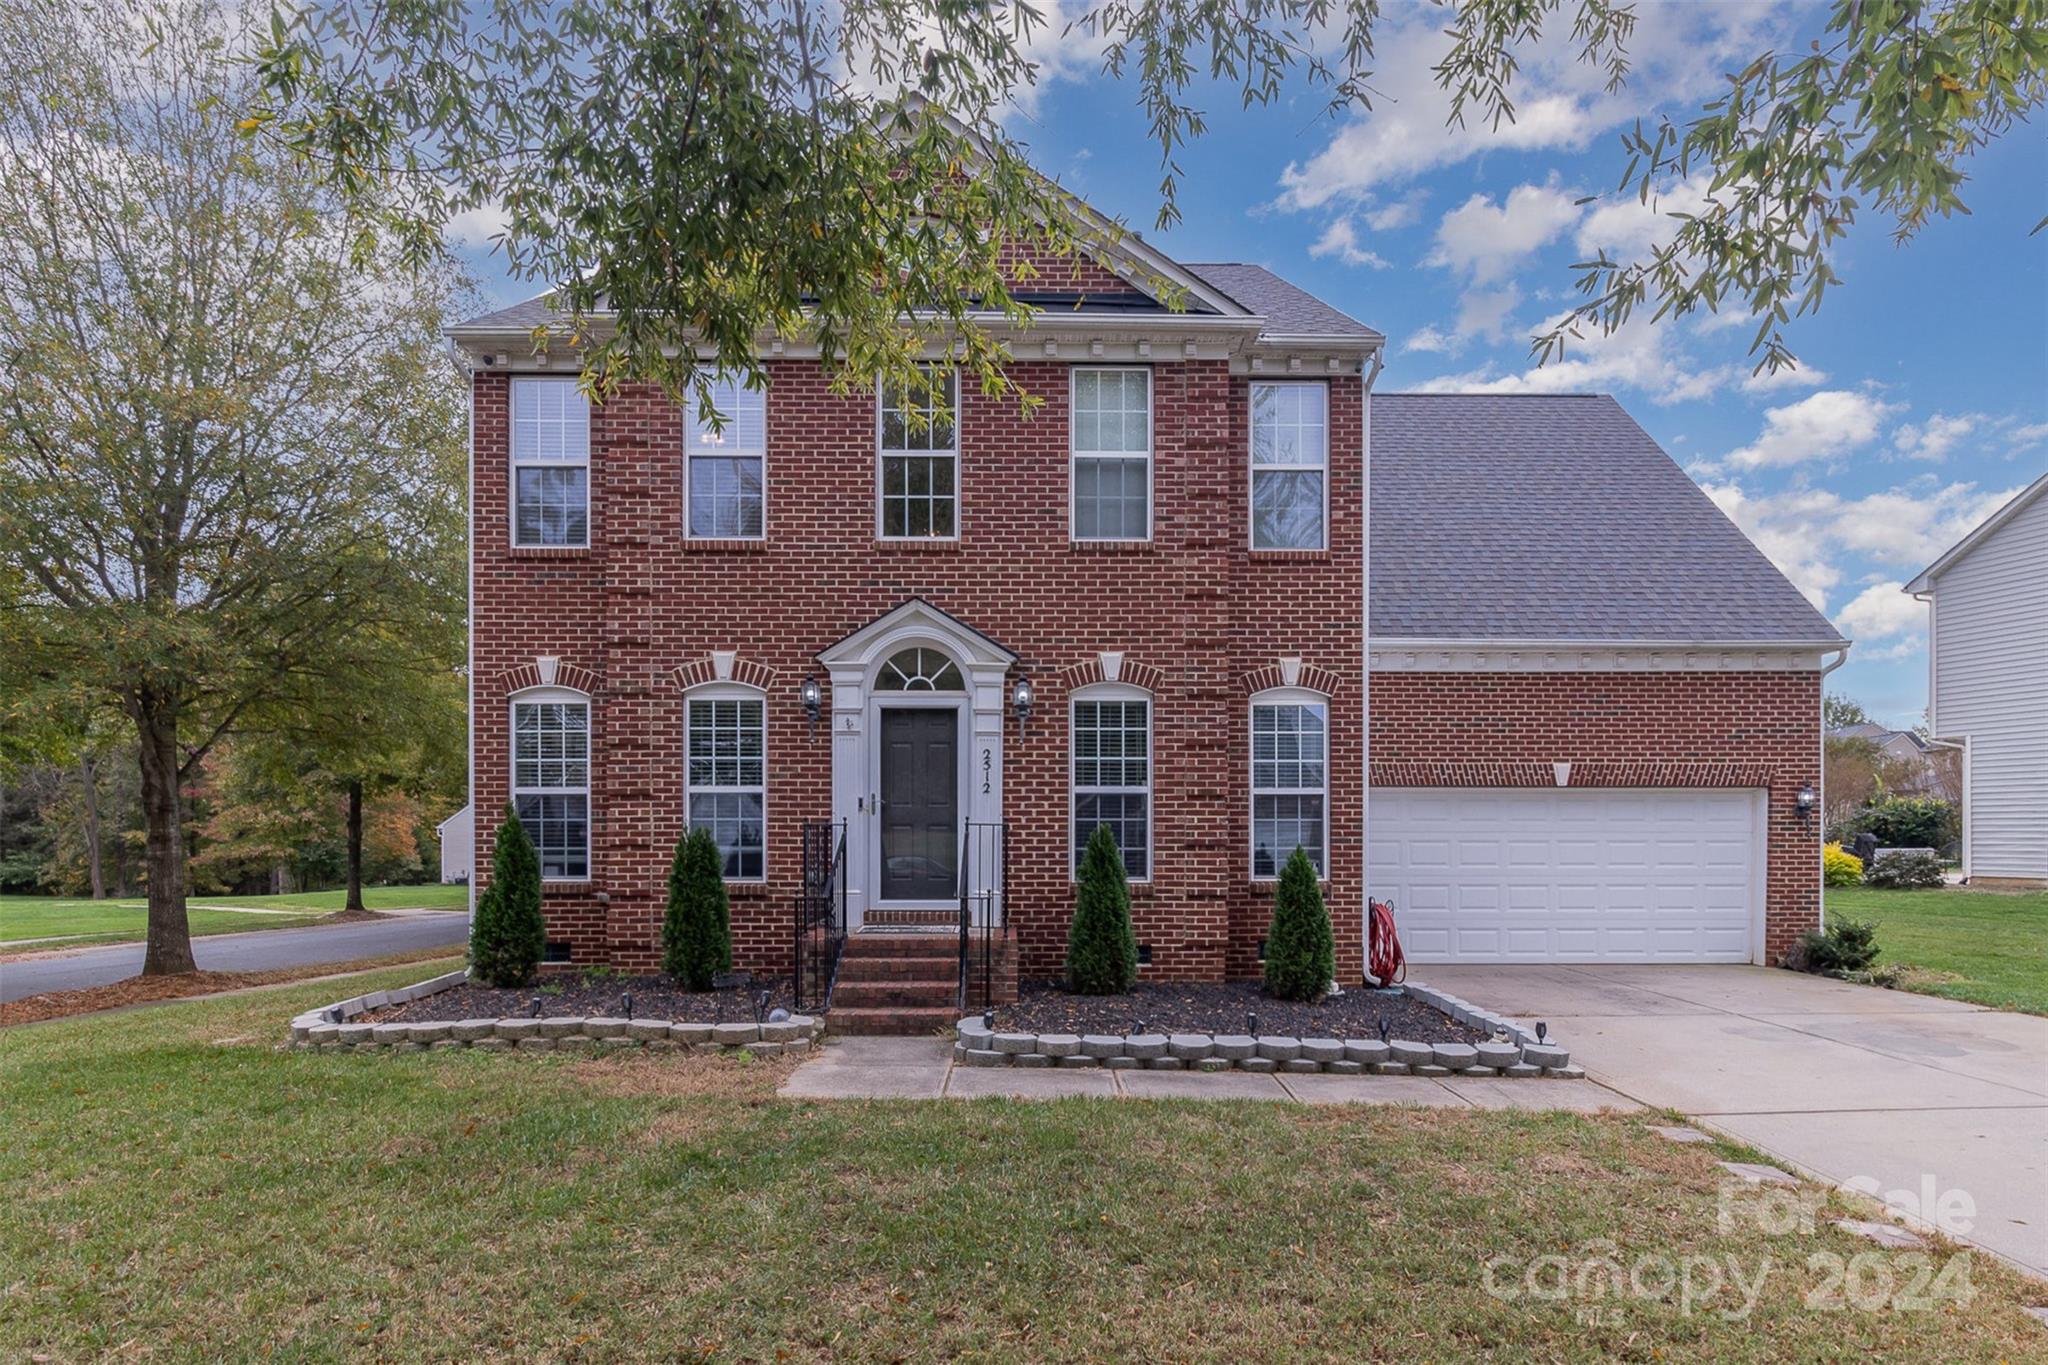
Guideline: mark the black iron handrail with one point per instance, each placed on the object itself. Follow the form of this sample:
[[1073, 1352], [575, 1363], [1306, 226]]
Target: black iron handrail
[[984, 903], [819, 915]]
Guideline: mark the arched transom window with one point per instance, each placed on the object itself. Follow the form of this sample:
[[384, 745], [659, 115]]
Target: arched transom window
[[918, 669]]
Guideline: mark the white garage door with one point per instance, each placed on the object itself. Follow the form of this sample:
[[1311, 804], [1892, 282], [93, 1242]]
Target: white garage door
[[1561, 874]]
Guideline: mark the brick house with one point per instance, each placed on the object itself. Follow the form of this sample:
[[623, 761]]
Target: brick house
[[943, 648]]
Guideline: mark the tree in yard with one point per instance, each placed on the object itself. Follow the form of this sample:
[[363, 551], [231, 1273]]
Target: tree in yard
[[1838, 712], [216, 477], [690, 178], [696, 931], [1301, 952], [1102, 948], [507, 937]]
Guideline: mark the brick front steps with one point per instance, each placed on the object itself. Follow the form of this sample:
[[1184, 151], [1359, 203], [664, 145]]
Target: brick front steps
[[903, 982]]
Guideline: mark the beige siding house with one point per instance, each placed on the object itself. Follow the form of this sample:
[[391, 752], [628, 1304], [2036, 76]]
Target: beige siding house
[[1988, 685]]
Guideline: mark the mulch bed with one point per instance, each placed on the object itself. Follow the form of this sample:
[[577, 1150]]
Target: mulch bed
[[571, 997], [1043, 1007]]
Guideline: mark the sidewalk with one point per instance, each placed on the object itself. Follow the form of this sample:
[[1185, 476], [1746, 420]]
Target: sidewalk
[[923, 1069]]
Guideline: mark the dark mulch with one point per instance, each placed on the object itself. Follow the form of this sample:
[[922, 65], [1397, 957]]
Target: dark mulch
[[571, 997], [1222, 1008]]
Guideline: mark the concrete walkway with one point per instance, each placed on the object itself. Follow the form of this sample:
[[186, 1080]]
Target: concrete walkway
[[923, 1069], [1922, 1096]]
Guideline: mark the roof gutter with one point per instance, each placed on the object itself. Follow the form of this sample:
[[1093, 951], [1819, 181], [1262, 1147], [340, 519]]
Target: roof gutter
[[1555, 643]]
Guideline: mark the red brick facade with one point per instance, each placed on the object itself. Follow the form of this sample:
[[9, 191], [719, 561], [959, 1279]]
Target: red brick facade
[[1748, 729], [1200, 619]]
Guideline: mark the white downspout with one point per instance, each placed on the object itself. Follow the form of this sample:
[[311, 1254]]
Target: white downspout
[[1821, 787], [1365, 658]]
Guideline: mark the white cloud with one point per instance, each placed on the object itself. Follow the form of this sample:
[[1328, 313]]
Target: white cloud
[[1484, 312], [1487, 239], [1340, 239], [1821, 426], [2026, 437], [1639, 356], [1398, 214], [1882, 611], [1933, 438], [477, 227], [1629, 228], [1784, 377], [1429, 339]]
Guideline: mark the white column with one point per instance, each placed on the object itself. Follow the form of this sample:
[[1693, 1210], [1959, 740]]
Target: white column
[[985, 774], [851, 786]]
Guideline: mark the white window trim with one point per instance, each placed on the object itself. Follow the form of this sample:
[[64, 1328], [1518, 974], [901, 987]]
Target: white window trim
[[881, 455], [1253, 468], [515, 464], [1074, 456], [539, 696], [729, 691], [1114, 692], [690, 452], [1283, 696]]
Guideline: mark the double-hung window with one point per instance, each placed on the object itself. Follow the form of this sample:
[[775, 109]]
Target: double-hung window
[[1290, 767], [1290, 465], [726, 476], [550, 463], [551, 782], [920, 458], [1112, 448], [727, 778], [1113, 776]]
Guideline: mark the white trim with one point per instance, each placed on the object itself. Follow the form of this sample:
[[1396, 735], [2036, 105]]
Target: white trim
[[692, 428], [566, 696], [1075, 456], [1389, 654], [514, 463], [724, 690], [1123, 692], [882, 454], [1283, 696], [1253, 468]]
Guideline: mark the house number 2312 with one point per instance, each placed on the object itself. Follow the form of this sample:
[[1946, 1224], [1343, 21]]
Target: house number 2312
[[987, 765]]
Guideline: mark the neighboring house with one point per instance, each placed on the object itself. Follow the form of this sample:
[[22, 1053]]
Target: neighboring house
[[1594, 705], [458, 845], [1907, 754], [1988, 685]]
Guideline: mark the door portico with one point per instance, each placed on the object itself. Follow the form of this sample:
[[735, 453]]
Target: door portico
[[865, 685]]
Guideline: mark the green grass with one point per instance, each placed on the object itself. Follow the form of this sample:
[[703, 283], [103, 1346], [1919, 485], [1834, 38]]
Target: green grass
[[177, 1186], [1987, 947], [114, 921]]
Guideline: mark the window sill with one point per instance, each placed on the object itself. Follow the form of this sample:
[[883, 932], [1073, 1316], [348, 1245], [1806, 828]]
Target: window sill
[[571, 886], [748, 890], [931, 545], [709, 546], [1113, 547], [549, 551], [1284, 555]]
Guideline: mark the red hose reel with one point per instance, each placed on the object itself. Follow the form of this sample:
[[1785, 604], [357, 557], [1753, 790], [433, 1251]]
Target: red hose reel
[[1384, 962]]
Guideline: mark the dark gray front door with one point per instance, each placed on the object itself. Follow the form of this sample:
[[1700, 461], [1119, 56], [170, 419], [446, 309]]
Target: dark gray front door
[[920, 804]]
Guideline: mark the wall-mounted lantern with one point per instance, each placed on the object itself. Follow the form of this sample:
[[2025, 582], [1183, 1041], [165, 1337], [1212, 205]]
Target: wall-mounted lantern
[[1020, 702], [813, 697], [1805, 802]]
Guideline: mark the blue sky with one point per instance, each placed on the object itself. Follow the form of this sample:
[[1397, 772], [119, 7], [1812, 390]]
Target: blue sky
[[1922, 401]]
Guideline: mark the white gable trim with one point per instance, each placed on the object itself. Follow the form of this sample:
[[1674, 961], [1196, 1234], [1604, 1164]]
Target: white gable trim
[[2019, 503]]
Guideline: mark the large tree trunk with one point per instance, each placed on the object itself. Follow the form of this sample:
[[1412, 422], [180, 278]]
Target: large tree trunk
[[168, 949], [89, 784], [355, 845]]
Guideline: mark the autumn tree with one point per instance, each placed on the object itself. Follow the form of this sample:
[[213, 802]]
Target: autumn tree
[[212, 483], [689, 178]]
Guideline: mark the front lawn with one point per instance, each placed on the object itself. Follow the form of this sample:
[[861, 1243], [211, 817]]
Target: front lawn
[[114, 921], [179, 1188], [1987, 947]]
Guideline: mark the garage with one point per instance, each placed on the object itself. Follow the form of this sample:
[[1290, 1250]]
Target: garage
[[1560, 874]]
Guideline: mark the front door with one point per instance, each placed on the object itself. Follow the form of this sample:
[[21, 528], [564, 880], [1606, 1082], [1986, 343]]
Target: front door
[[920, 803]]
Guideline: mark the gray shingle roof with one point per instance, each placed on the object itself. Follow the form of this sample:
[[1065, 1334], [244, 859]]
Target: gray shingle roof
[[1288, 311], [1545, 517], [520, 317]]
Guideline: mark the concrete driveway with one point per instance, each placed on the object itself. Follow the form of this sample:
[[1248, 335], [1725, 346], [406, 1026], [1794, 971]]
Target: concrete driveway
[[1925, 1097]]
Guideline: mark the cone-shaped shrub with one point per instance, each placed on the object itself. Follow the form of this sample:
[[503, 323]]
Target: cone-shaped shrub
[[696, 933], [1102, 952], [507, 938], [1301, 953]]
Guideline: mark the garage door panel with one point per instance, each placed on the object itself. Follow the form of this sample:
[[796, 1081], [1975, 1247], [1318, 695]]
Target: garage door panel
[[1570, 874]]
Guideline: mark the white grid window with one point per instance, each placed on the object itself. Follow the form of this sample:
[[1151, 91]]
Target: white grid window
[[1290, 465], [920, 458], [727, 781], [725, 481], [1112, 449], [550, 463], [1113, 778], [1290, 756], [551, 783]]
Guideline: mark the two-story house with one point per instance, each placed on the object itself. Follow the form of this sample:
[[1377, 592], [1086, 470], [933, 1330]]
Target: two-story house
[[949, 644]]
